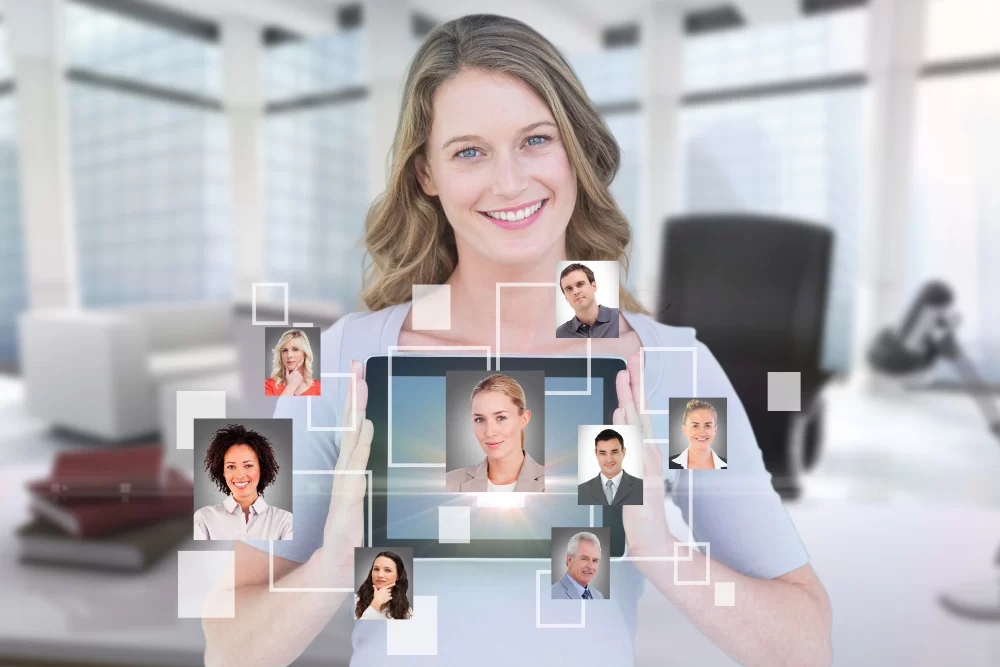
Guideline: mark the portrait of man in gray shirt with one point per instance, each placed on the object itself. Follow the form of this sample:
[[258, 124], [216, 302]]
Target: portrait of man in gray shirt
[[591, 320]]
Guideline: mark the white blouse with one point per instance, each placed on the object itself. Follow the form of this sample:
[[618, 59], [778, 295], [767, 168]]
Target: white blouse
[[226, 521]]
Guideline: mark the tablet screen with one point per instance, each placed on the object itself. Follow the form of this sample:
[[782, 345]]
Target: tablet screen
[[410, 449], [418, 436]]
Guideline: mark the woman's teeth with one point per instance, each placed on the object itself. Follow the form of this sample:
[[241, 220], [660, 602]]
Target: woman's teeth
[[241, 485], [515, 215]]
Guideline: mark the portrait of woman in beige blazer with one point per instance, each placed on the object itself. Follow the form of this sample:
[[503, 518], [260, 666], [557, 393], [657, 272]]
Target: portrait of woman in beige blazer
[[499, 412]]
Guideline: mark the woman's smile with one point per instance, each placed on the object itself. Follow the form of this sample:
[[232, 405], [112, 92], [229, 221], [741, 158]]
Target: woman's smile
[[517, 217]]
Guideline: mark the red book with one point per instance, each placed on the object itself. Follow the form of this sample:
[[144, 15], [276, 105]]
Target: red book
[[104, 473], [94, 518]]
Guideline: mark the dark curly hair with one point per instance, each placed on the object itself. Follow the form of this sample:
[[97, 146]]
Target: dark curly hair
[[399, 605], [237, 434]]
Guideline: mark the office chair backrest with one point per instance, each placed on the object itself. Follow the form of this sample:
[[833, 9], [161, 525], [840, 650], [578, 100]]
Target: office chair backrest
[[754, 287]]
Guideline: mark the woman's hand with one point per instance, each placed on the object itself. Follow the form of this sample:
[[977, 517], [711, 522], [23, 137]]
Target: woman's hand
[[382, 597], [646, 528], [344, 527], [294, 379]]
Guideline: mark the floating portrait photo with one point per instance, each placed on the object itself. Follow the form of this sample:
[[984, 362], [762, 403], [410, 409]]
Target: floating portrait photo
[[243, 479], [698, 433], [495, 433], [581, 563], [609, 466], [587, 299], [383, 584], [292, 361]]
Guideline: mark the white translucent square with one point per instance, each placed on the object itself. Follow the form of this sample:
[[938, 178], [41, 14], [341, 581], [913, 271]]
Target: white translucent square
[[725, 594], [417, 635], [454, 524], [431, 307], [784, 392], [206, 584], [193, 405]]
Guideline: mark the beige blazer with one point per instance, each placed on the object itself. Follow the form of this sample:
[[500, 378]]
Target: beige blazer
[[473, 478]]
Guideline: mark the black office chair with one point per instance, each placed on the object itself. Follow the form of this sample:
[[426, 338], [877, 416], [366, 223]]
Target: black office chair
[[755, 289]]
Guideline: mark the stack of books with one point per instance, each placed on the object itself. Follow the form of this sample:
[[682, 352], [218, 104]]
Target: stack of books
[[113, 508]]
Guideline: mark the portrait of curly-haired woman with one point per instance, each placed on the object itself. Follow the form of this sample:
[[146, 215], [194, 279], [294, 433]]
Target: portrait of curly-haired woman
[[241, 463]]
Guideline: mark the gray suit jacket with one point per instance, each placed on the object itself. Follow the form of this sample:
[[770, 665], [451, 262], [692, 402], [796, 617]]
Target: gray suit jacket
[[565, 590], [629, 492], [473, 478]]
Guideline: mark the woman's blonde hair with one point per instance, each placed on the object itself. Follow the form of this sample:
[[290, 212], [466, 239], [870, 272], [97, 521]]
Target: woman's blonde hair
[[506, 385], [278, 369], [407, 234], [698, 404]]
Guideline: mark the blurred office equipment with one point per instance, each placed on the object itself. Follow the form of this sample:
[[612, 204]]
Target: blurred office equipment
[[98, 372], [926, 336], [755, 290]]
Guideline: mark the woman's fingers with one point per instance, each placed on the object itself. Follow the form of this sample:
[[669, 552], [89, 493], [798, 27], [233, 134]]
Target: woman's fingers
[[353, 414]]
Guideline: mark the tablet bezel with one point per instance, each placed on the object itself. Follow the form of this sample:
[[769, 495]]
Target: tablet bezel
[[605, 367]]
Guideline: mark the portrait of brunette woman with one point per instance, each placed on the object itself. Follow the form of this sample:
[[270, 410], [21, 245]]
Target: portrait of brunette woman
[[500, 168], [383, 593]]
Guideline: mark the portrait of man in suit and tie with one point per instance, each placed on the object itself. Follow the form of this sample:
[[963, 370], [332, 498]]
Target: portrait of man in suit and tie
[[583, 562], [612, 485]]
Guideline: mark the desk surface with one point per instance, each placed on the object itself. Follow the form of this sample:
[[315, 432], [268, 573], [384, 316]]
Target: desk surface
[[62, 614]]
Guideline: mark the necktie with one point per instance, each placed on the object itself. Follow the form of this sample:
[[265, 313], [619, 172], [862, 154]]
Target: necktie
[[609, 491], [587, 595]]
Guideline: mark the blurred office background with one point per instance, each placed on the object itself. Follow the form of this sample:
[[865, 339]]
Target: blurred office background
[[157, 157]]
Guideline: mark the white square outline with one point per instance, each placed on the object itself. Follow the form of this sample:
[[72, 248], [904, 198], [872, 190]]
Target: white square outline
[[354, 401], [574, 392], [270, 543], [708, 563], [253, 304], [422, 348], [177, 412], [538, 607], [642, 374]]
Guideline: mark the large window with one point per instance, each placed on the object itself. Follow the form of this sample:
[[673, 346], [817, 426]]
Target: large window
[[317, 159], [955, 202], [748, 145], [611, 80], [148, 154], [12, 279]]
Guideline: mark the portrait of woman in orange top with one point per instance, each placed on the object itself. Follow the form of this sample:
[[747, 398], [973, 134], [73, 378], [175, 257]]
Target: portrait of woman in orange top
[[292, 367]]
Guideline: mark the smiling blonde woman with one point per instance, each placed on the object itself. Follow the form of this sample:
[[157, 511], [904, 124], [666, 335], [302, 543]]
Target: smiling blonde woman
[[494, 120], [292, 367]]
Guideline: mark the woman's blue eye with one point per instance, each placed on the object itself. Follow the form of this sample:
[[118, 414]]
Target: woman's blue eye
[[467, 152], [531, 140]]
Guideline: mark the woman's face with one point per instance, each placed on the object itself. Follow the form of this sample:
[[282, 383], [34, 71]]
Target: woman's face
[[497, 424], [383, 572], [292, 354], [496, 160], [700, 428], [242, 472]]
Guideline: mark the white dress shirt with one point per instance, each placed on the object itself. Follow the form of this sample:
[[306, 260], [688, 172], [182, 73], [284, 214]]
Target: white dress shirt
[[490, 486], [616, 481], [226, 521], [682, 460]]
